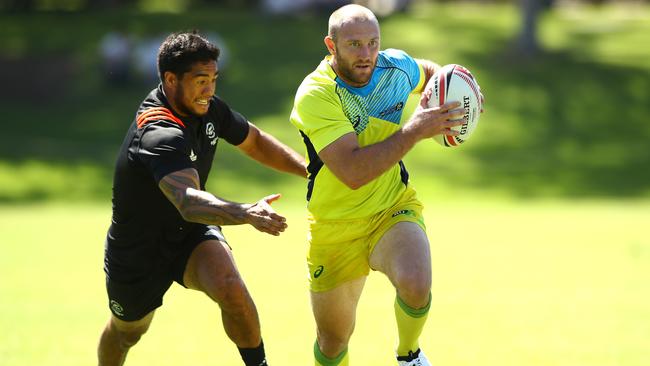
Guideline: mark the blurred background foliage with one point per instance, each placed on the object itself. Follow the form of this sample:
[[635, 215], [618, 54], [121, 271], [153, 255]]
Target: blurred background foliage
[[529, 270], [567, 86]]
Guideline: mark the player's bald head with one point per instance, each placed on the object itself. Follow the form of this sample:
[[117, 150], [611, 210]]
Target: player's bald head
[[349, 14]]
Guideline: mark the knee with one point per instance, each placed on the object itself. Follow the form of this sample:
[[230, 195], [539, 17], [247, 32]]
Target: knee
[[413, 287], [128, 338], [332, 343], [230, 292]]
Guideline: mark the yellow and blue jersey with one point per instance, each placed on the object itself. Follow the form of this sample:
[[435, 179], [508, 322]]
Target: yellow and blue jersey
[[326, 108]]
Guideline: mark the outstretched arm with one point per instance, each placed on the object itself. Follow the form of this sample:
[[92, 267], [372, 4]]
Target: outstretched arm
[[183, 191], [266, 149]]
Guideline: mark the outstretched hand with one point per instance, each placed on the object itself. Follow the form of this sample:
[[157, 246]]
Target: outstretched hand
[[262, 217]]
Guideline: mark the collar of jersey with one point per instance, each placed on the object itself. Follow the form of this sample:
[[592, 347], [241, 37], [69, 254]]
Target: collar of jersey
[[363, 91], [194, 120], [165, 102]]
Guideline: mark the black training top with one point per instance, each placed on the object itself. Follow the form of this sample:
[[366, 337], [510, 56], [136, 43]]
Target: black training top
[[160, 142]]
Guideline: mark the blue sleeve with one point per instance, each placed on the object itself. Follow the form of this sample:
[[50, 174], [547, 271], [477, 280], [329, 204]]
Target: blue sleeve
[[403, 61]]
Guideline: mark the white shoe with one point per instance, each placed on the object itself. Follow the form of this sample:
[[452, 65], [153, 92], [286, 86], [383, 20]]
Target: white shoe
[[416, 358]]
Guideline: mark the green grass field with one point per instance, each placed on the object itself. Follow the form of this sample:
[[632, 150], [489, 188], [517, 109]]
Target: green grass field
[[545, 261], [514, 284]]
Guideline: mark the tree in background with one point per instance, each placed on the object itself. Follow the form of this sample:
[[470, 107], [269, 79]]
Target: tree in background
[[56, 5], [17, 5], [527, 43]]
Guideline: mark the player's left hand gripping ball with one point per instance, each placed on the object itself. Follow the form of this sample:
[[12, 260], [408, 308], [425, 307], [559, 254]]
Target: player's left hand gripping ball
[[455, 83]]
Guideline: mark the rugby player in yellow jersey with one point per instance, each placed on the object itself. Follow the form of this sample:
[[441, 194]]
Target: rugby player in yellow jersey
[[363, 212]]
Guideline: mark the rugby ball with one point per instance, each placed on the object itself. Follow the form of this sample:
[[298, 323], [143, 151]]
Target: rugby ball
[[455, 83]]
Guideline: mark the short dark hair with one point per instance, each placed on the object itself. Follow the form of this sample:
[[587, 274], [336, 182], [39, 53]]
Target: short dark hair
[[180, 51]]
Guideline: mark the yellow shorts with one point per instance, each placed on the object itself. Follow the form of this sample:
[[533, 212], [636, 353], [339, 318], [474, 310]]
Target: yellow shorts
[[339, 249]]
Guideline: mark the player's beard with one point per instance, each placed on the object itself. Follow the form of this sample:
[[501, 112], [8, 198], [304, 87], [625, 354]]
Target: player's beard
[[181, 103], [347, 71]]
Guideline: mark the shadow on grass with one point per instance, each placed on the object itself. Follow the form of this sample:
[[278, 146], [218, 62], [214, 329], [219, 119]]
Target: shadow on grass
[[573, 128]]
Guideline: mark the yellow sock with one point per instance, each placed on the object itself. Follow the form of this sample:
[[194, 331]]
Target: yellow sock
[[410, 323], [322, 360]]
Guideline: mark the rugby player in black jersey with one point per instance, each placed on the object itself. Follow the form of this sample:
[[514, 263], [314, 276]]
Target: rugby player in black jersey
[[165, 226]]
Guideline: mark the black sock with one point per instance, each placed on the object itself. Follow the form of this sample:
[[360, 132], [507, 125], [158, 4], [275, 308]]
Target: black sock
[[253, 356]]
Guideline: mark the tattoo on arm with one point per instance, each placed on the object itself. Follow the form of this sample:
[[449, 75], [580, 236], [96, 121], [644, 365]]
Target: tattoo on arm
[[182, 188], [175, 185]]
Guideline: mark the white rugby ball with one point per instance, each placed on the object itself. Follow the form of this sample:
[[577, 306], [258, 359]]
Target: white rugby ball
[[455, 83]]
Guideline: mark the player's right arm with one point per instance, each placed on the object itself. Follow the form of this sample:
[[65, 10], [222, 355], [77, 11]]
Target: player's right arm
[[356, 166], [183, 191]]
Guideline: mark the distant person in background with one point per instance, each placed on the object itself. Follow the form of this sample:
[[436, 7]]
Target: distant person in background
[[383, 8], [145, 61], [277, 7], [364, 214], [165, 226], [379, 7], [115, 51]]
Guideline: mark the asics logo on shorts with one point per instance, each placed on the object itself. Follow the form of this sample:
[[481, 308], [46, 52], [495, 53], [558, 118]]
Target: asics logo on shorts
[[318, 271]]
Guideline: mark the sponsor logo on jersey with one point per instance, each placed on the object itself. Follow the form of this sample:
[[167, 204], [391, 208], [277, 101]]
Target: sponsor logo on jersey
[[209, 130], [396, 108], [192, 155], [211, 133]]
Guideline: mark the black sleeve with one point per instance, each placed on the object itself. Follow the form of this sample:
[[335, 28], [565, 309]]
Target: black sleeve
[[163, 150], [233, 127]]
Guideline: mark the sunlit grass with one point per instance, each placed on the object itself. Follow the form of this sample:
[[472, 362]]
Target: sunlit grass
[[613, 34], [157, 6], [514, 284], [37, 181]]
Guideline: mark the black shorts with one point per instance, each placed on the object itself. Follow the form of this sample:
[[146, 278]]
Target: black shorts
[[136, 290]]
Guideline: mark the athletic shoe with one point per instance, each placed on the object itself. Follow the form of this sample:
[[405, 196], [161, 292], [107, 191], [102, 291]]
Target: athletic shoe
[[416, 358]]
